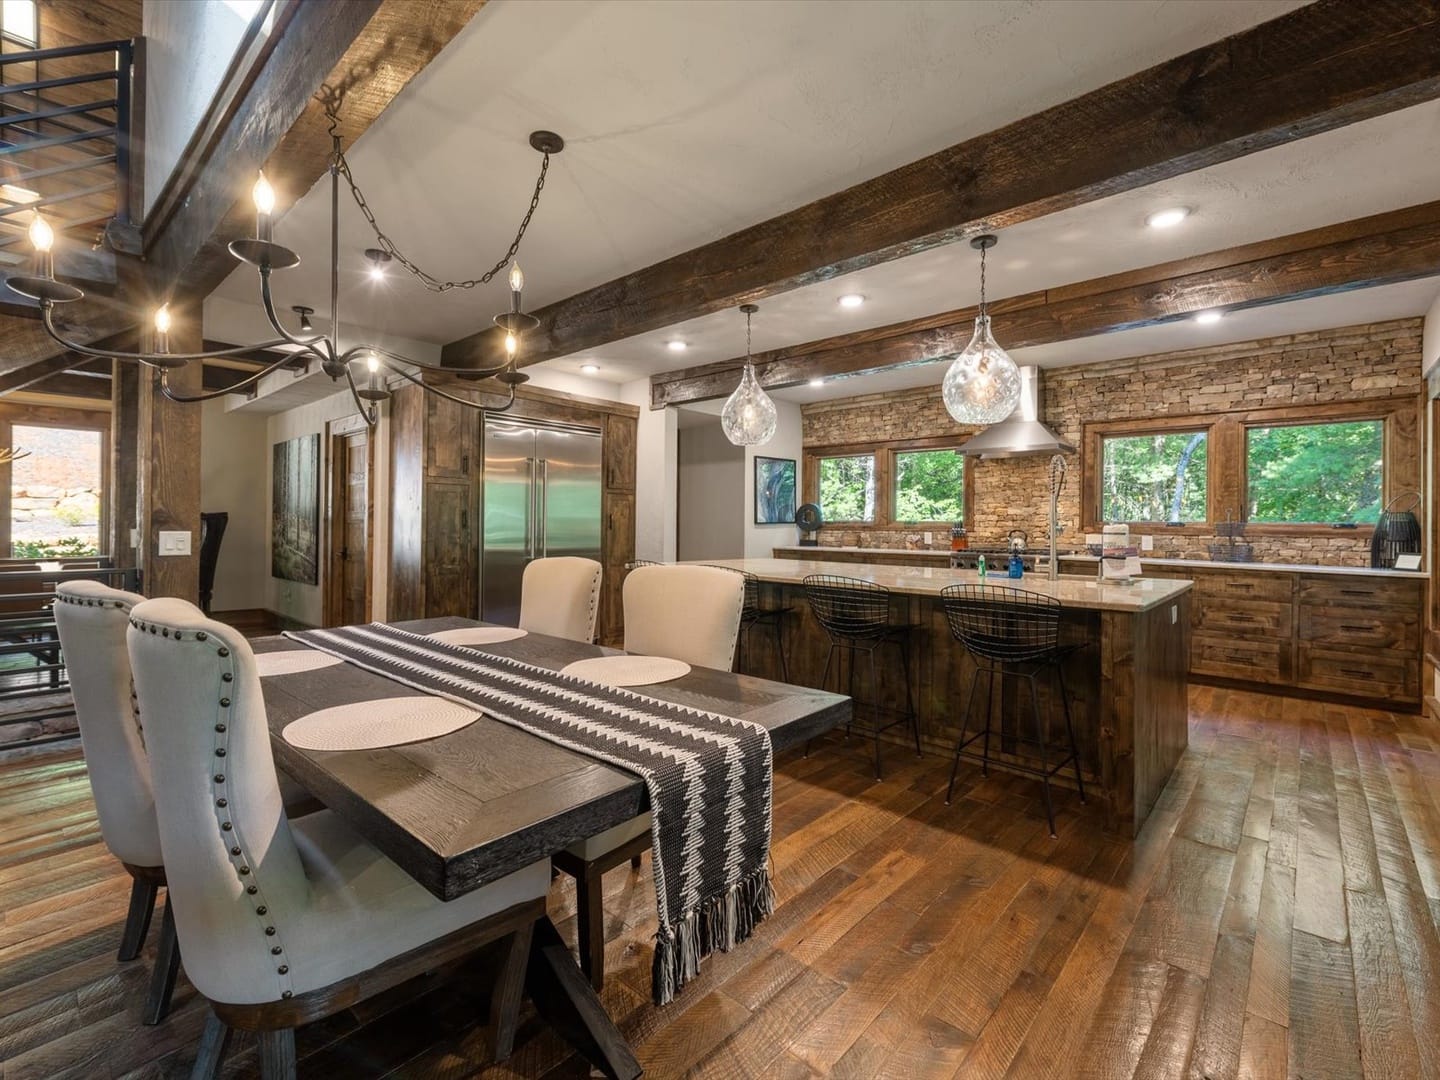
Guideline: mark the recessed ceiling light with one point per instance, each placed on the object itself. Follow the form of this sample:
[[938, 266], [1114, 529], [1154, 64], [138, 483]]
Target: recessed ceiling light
[[853, 299], [1169, 218], [676, 346], [817, 382], [590, 369], [1207, 317]]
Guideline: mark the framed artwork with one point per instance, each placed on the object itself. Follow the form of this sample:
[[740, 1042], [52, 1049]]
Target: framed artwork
[[295, 510], [774, 491]]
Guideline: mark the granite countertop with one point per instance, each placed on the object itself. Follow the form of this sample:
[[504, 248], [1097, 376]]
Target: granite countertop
[[1274, 568], [1076, 592], [932, 552]]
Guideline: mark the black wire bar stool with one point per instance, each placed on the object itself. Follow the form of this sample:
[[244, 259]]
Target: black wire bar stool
[[1011, 632], [753, 616], [855, 615]]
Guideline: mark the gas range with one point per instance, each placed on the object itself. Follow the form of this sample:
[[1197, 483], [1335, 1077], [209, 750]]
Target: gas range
[[998, 555]]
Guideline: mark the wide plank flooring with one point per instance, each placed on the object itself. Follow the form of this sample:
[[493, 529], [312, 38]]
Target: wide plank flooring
[[1276, 918]]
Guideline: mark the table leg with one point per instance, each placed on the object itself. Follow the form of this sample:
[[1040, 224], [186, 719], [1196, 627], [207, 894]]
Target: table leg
[[566, 1001]]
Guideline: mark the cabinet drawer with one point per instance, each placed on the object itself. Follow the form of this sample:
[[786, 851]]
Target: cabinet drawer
[[1326, 590], [1243, 618], [1231, 658], [1245, 585], [1376, 674], [1356, 627]]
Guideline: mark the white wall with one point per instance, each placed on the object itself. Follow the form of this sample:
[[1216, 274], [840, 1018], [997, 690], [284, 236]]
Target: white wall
[[655, 475], [235, 479], [188, 48], [760, 540], [711, 494], [1430, 343]]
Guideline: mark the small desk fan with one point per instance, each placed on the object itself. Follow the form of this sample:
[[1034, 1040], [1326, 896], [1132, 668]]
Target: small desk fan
[[809, 521]]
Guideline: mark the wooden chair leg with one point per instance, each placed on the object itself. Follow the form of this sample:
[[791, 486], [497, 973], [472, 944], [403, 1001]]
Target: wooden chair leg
[[277, 1054], [213, 1040], [167, 966], [137, 921], [509, 988], [635, 861], [590, 917]]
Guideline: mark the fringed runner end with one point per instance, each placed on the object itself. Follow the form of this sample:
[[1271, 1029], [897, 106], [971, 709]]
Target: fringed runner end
[[719, 922]]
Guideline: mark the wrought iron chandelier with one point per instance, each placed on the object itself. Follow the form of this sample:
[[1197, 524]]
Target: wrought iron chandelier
[[982, 385], [261, 252], [748, 418]]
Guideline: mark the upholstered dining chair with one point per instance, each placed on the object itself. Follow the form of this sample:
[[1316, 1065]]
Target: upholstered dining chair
[[92, 619], [689, 613], [286, 921], [560, 596]]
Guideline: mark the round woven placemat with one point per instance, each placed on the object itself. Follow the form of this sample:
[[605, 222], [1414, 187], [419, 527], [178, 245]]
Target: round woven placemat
[[290, 661], [371, 724], [627, 670], [478, 635]]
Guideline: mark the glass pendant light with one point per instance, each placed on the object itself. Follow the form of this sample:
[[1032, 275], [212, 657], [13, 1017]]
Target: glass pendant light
[[983, 384], [748, 418]]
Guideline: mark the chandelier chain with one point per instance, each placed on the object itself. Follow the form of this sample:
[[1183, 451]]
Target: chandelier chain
[[982, 279], [342, 167]]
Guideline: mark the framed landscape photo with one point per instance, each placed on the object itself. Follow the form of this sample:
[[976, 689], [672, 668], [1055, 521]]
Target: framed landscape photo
[[774, 491], [295, 510]]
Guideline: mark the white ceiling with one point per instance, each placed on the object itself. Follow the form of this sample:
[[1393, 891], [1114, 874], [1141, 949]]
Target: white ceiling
[[687, 121]]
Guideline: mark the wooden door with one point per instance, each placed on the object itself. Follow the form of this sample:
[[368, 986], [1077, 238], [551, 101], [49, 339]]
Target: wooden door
[[348, 601], [451, 434]]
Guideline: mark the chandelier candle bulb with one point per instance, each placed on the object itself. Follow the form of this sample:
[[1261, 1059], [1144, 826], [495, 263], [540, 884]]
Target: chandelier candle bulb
[[162, 328], [264, 196], [517, 286], [42, 238]]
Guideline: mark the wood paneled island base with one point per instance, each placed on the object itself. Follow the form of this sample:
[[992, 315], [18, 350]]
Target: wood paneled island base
[[1128, 684]]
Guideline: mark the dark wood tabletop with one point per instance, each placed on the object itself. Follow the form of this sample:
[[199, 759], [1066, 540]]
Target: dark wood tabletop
[[468, 808]]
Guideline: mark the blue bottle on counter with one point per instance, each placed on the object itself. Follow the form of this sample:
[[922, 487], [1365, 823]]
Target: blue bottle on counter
[[1017, 566], [980, 567]]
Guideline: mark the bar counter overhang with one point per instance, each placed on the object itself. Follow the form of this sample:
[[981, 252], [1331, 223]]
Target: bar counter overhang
[[1128, 685]]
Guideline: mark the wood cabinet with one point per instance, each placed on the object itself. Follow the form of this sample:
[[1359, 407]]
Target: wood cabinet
[[450, 549], [452, 434], [1354, 635]]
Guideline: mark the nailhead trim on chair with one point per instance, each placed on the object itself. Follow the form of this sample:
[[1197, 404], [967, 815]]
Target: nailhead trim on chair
[[90, 601], [230, 837]]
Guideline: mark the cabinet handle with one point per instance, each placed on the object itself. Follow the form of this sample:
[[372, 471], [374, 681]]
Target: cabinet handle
[[464, 519], [1351, 628], [1356, 592], [1354, 673], [1236, 616], [465, 464], [1239, 657]]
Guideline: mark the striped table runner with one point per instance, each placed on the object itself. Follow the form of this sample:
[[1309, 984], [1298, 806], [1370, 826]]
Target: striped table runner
[[709, 776]]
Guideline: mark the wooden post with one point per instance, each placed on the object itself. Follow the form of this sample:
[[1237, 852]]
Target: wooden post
[[124, 432], [167, 451]]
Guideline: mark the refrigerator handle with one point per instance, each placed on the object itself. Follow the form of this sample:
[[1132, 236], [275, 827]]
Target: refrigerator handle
[[530, 512], [544, 508]]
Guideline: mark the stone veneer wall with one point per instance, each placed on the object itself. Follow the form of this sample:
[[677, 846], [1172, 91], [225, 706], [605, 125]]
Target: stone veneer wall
[[1377, 360]]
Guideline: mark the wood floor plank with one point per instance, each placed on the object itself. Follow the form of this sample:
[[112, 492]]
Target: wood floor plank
[[1387, 1034], [1324, 1024]]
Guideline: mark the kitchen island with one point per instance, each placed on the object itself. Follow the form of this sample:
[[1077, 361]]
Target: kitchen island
[[1128, 684]]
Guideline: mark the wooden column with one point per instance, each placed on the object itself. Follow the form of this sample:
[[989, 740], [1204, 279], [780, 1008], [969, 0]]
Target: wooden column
[[168, 467], [124, 433]]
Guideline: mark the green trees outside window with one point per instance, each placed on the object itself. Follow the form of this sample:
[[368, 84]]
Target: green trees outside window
[[847, 488], [1315, 473], [929, 486], [1154, 477]]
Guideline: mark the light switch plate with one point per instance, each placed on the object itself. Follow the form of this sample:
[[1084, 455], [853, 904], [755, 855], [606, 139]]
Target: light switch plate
[[1147, 543], [174, 543], [1174, 614]]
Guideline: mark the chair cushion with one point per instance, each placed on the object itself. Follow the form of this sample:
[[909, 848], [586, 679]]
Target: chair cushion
[[595, 847], [365, 910]]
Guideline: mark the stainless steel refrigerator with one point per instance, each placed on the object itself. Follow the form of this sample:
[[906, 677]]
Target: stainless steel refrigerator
[[541, 498]]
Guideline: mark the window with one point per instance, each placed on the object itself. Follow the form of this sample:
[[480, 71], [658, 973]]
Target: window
[[1315, 473], [847, 487], [1158, 477], [18, 21], [929, 486], [56, 492]]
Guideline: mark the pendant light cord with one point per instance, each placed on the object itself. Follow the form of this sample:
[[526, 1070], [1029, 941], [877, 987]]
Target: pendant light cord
[[330, 98], [983, 250]]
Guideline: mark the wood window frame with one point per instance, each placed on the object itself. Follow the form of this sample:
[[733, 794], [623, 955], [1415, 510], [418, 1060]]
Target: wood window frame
[[55, 416], [1226, 466], [884, 455]]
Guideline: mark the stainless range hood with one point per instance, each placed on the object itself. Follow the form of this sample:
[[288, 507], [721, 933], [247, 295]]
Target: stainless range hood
[[1021, 432]]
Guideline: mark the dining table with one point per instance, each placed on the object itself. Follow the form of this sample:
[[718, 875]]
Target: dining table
[[464, 809]]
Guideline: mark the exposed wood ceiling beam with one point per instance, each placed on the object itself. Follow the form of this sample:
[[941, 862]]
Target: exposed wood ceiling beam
[[1382, 249], [1312, 70], [370, 49]]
